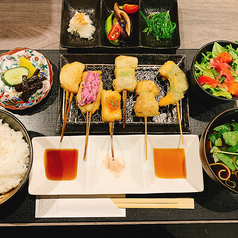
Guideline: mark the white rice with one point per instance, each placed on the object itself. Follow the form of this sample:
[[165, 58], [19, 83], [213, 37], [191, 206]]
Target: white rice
[[14, 157], [84, 31]]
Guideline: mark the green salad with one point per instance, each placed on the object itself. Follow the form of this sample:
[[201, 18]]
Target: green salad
[[224, 141], [218, 71]]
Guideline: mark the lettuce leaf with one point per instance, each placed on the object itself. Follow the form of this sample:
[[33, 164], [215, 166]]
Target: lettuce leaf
[[231, 138], [219, 92], [217, 49]]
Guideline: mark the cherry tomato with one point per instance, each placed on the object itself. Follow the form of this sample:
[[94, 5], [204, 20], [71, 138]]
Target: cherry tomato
[[114, 32], [224, 57], [207, 80], [130, 8]]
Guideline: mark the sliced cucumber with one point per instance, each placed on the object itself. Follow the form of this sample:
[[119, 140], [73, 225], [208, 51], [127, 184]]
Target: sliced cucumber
[[13, 76]]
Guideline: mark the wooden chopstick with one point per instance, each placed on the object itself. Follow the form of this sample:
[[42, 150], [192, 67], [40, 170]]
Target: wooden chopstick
[[178, 203]]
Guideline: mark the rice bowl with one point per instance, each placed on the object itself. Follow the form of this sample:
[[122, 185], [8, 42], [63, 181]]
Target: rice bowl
[[15, 155]]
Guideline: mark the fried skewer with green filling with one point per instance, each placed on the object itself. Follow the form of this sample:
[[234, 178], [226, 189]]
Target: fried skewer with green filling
[[177, 88], [125, 80]]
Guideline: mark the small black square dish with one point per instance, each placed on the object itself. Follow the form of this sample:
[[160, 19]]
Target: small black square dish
[[151, 14], [91, 8]]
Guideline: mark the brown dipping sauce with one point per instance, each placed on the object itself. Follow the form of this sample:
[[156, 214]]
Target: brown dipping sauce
[[61, 164], [169, 163]]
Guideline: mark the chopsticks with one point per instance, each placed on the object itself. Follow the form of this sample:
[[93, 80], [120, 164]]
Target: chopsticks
[[178, 203]]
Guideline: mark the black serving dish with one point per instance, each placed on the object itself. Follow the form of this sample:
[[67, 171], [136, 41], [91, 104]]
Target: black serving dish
[[148, 65], [99, 10]]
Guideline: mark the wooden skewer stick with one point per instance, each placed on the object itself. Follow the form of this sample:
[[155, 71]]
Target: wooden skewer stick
[[88, 118], [180, 126], [66, 112], [146, 138], [111, 128], [124, 94]]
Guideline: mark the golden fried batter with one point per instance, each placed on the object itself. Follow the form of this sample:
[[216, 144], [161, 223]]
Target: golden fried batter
[[125, 73], [111, 106], [146, 104], [178, 83], [71, 76], [146, 86]]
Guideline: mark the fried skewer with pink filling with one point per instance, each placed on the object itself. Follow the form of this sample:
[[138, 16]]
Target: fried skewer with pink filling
[[89, 98], [111, 111], [70, 78], [146, 104]]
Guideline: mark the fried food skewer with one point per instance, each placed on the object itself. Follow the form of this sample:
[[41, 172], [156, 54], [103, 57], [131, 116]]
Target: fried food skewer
[[177, 88], [89, 98], [111, 111], [146, 104], [125, 80], [70, 78]]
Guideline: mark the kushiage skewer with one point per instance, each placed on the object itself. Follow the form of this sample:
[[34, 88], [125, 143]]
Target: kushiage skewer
[[89, 98], [125, 78], [146, 104], [177, 88], [111, 111], [70, 78]]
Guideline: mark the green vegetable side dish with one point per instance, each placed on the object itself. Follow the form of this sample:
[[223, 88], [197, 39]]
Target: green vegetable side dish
[[159, 25], [108, 27], [224, 150], [13, 76], [216, 73]]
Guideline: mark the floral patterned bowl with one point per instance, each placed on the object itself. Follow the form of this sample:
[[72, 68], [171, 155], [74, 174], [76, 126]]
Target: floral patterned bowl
[[9, 97]]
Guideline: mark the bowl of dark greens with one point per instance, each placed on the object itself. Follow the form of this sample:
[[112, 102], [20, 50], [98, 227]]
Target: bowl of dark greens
[[214, 72], [218, 149]]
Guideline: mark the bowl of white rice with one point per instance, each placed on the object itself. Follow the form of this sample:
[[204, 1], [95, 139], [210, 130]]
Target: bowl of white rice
[[15, 155]]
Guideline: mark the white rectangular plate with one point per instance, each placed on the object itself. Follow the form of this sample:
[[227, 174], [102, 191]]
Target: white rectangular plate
[[137, 177]]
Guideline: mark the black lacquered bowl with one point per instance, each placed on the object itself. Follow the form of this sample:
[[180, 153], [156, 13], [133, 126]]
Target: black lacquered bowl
[[216, 172], [198, 89]]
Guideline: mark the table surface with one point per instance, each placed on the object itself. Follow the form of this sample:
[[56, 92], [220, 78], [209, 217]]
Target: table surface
[[36, 25]]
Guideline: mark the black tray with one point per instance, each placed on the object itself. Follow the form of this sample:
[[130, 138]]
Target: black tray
[[99, 10], [148, 65]]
